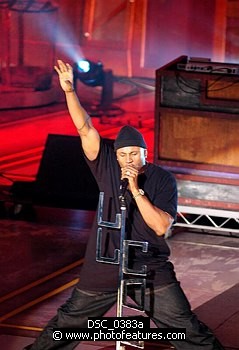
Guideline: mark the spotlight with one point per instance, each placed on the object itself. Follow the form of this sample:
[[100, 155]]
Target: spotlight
[[89, 73], [93, 74]]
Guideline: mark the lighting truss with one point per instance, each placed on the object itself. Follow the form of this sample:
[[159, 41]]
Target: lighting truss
[[208, 219], [29, 5]]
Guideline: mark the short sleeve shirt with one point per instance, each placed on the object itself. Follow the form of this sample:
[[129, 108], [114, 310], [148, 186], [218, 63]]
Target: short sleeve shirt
[[159, 186]]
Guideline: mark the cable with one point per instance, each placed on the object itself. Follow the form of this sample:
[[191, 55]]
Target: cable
[[197, 90]]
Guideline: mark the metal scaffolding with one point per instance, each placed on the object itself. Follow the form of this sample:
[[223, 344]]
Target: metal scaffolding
[[208, 219]]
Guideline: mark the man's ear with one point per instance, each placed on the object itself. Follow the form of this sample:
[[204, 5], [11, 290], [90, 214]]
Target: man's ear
[[146, 153]]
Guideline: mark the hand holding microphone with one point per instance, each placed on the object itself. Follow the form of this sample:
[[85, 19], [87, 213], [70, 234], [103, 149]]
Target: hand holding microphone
[[123, 186], [129, 179]]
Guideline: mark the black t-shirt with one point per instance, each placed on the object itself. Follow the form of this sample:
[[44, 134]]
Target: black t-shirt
[[159, 186]]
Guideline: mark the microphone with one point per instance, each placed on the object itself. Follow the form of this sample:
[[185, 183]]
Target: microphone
[[123, 187]]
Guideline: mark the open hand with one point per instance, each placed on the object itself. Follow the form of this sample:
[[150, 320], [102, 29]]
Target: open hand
[[65, 73]]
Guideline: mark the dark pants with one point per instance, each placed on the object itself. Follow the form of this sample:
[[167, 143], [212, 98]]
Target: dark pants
[[166, 306]]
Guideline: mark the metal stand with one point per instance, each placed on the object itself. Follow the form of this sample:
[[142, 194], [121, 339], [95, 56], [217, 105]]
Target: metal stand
[[225, 221], [121, 258]]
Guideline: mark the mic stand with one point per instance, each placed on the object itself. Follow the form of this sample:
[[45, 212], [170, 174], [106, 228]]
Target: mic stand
[[120, 257]]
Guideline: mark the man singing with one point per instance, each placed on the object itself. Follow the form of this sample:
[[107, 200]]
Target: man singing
[[151, 202]]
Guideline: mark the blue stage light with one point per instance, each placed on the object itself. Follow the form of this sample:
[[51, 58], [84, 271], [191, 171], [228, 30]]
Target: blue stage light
[[89, 73], [93, 74], [83, 66]]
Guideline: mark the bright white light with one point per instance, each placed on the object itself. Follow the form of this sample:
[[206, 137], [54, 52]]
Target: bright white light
[[84, 66]]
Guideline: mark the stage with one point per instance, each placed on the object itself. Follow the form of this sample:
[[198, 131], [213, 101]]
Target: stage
[[206, 258]]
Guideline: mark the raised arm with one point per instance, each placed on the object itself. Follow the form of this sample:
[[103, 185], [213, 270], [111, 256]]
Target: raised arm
[[89, 135]]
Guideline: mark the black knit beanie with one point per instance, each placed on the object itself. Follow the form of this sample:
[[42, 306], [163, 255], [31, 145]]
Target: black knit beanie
[[129, 136]]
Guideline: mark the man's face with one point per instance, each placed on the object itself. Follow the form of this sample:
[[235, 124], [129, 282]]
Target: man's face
[[131, 155]]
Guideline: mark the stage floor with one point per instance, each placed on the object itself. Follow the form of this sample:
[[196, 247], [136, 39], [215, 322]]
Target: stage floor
[[36, 277]]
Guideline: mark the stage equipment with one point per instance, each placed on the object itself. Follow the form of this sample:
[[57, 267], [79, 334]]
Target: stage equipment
[[93, 74], [121, 258], [197, 106], [28, 34], [64, 179], [205, 65], [196, 137]]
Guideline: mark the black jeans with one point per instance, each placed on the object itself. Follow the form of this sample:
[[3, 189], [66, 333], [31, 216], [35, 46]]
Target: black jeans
[[166, 306]]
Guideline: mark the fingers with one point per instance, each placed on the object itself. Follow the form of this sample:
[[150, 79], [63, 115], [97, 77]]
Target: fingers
[[62, 67], [57, 70], [68, 66], [129, 173]]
